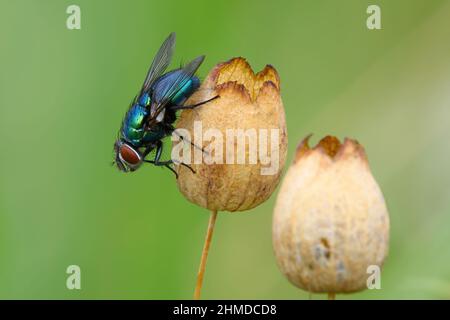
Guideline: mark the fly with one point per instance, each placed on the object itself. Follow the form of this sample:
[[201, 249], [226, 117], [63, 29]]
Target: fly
[[152, 112]]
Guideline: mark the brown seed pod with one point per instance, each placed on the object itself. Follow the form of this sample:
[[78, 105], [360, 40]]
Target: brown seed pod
[[330, 220], [249, 107]]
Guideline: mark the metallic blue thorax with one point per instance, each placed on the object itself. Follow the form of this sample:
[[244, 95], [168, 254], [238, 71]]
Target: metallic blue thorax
[[136, 117]]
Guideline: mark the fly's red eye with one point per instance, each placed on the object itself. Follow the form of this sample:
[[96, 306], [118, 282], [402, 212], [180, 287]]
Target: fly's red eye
[[129, 155]]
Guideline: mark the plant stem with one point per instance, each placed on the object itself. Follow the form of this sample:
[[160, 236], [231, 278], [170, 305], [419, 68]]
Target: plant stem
[[201, 269], [331, 296]]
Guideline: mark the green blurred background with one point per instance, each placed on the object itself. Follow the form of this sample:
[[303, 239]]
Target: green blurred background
[[64, 92]]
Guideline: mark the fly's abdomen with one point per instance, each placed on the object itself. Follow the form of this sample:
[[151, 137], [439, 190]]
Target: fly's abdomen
[[133, 126], [163, 85], [191, 85]]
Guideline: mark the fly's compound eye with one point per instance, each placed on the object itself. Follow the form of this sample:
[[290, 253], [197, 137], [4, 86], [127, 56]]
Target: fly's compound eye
[[129, 155]]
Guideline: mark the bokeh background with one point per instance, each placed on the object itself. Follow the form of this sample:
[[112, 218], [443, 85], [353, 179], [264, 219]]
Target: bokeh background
[[63, 94]]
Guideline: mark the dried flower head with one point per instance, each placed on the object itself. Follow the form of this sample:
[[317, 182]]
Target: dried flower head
[[330, 221], [244, 141]]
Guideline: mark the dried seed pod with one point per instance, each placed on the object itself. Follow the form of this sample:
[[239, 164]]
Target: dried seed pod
[[249, 117], [330, 220]]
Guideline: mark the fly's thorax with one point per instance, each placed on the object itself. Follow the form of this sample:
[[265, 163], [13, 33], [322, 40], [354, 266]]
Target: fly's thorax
[[144, 100], [136, 116], [133, 126]]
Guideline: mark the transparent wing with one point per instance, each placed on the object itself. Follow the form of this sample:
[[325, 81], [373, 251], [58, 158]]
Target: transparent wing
[[160, 62], [187, 72]]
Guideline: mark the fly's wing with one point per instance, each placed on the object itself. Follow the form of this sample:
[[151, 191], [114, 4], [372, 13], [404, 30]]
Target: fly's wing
[[184, 76], [160, 62]]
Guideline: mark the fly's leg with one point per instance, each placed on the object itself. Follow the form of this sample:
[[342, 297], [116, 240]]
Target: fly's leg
[[186, 165], [167, 165], [147, 150], [170, 129], [157, 162], [192, 106], [171, 169]]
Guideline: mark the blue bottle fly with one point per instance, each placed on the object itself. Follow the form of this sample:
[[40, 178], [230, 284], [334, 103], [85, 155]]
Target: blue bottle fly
[[152, 113]]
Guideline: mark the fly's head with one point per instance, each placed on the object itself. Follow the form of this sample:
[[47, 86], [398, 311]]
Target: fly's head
[[127, 158]]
